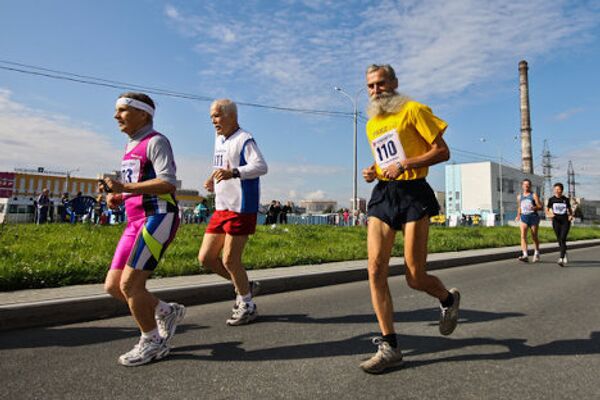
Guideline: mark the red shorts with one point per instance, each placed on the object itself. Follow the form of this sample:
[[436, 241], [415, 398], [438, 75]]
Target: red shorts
[[232, 223]]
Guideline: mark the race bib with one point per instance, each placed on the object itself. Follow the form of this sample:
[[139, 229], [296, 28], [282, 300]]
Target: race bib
[[219, 159], [130, 171], [559, 208], [526, 206], [387, 149]]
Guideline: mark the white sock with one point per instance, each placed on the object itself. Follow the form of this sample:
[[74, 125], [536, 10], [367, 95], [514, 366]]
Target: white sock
[[525, 253], [536, 253], [162, 309], [247, 298], [152, 335]]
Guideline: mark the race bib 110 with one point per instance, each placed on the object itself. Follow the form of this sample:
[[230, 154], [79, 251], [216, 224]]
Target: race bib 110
[[387, 149]]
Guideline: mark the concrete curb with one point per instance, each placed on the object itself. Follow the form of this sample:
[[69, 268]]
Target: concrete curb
[[81, 309]]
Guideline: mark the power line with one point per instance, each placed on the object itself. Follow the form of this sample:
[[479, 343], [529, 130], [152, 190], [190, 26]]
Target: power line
[[95, 81]]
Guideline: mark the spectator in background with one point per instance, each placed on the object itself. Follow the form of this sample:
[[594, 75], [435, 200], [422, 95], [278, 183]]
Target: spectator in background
[[284, 212], [98, 208], [346, 216], [42, 204], [272, 213], [62, 207]]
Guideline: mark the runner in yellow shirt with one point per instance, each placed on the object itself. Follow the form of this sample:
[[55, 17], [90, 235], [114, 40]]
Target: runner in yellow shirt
[[405, 138]]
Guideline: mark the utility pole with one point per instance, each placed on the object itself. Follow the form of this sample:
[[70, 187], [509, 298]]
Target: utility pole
[[547, 168], [571, 180]]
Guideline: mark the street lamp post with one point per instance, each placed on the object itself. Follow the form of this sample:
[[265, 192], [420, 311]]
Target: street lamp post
[[354, 101], [69, 172]]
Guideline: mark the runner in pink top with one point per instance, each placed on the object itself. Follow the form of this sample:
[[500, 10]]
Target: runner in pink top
[[147, 187]]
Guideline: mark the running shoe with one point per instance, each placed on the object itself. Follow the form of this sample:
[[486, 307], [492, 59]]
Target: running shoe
[[560, 262], [145, 351], [243, 314], [386, 357], [168, 324], [523, 258], [449, 315], [565, 261], [536, 258]]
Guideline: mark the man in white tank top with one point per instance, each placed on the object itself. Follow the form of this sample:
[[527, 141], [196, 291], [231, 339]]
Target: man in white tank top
[[237, 166]]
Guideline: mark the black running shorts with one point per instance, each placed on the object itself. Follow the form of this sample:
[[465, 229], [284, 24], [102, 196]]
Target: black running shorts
[[399, 202]]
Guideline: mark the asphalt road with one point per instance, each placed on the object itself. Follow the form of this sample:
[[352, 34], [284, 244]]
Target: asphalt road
[[527, 331]]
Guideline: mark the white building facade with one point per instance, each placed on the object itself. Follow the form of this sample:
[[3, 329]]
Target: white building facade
[[484, 189]]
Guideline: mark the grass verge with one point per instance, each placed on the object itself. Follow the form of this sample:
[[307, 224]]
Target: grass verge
[[59, 254]]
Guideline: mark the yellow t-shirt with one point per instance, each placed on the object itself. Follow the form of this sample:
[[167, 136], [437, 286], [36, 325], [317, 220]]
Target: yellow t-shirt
[[408, 133]]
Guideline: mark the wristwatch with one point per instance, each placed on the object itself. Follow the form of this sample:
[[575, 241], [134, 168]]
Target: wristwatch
[[400, 167], [235, 173]]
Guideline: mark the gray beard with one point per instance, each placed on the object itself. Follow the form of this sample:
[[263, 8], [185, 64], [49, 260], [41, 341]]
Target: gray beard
[[386, 104]]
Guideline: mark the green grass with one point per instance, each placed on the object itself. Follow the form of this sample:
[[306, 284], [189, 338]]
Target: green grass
[[57, 255]]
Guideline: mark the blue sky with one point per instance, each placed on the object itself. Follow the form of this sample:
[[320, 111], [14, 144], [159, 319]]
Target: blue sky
[[460, 57]]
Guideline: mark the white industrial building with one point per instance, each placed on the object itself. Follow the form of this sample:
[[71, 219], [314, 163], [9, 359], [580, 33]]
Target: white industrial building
[[485, 189]]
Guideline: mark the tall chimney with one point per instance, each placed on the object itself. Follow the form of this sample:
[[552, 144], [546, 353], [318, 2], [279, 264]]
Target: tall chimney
[[526, 153]]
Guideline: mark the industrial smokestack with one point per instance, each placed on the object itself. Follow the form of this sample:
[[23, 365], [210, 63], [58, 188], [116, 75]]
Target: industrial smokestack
[[526, 152]]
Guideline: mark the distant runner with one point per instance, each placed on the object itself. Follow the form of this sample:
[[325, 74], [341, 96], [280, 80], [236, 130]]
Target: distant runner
[[147, 187], [559, 209], [237, 166], [528, 204], [405, 138]]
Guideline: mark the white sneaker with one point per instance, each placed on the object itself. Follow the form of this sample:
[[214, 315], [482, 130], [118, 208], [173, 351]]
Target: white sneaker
[[243, 314], [560, 262], [168, 324], [386, 357], [145, 351], [565, 261], [536, 257]]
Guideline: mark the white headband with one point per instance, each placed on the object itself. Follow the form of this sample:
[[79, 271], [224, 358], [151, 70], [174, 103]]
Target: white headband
[[140, 105]]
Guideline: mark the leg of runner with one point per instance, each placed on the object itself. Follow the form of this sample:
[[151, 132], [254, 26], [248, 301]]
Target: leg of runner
[[142, 305], [416, 234], [564, 233], [210, 254], [380, 241], [112, 284], [245, 311], [536, 241], [524, 257], [232, 261], [557, 227]]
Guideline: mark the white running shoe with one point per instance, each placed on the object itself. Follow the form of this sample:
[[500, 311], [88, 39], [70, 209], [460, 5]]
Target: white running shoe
[[386, 357], [145, 351], [536, 257], [243, 314], [168, 324], [560, 262], [449, 315], [565, 261]]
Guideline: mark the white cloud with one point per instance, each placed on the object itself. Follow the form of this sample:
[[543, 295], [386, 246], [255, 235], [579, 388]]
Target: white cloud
[[296, 51], [32, 138], [317, 195], [565, 115]]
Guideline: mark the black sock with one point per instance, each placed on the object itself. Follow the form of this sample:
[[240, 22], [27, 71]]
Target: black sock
[[391, 339], [449, 301]]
